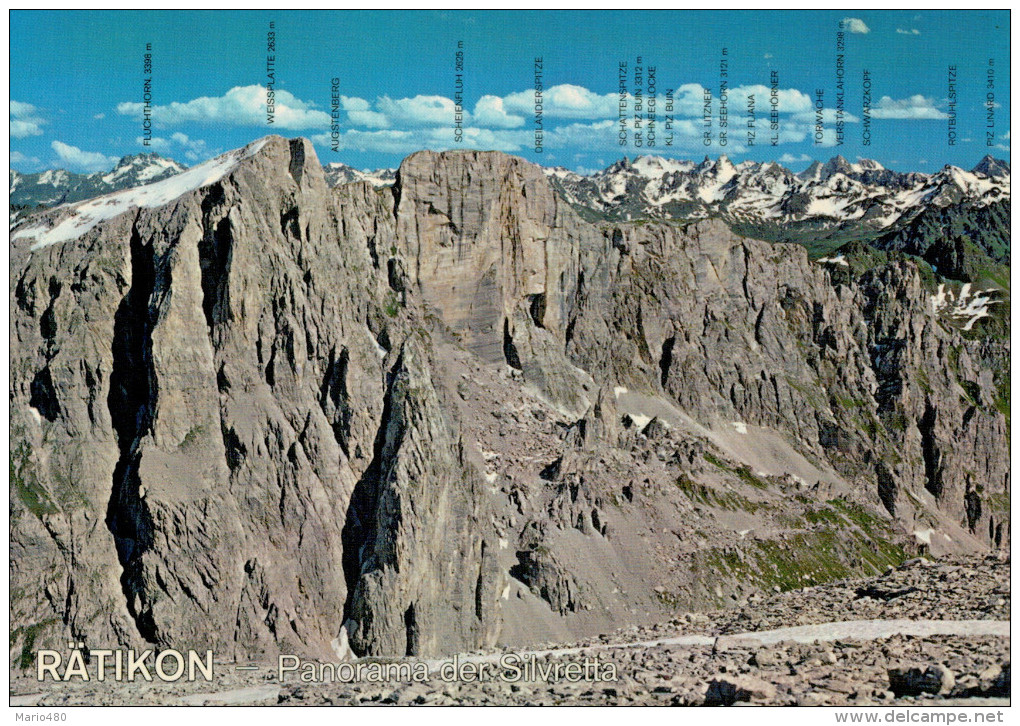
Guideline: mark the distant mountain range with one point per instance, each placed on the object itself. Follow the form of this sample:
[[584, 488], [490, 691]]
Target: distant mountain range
[[337, 174], [829, 194], [59, 186], [825, 195], [823, 207], [957, 220]]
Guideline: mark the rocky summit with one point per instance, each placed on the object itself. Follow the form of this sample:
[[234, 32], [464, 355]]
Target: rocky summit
[[259, 414]]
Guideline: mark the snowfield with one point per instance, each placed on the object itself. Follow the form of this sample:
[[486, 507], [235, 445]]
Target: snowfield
[[967, 308], [836, 190], [837, 260], [83, 216]]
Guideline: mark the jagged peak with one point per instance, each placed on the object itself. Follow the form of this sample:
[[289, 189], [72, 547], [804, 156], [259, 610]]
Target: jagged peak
[[144, 166], [991, 167], [836, 165], [813, 171], [618, 166], [144, 156], [868, 165]]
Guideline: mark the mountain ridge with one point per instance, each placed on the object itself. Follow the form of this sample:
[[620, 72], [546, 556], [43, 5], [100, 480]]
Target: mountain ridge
[[255, 413], [60, 186], [653, 187], [835, 200]]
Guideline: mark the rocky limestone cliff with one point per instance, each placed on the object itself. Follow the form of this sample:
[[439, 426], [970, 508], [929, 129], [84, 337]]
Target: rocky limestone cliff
[[272, 417], [199, 390], [731, 329]]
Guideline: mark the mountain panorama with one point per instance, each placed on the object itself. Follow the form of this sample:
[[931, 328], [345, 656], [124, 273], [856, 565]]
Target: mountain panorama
[[263, 406], [649, 186]]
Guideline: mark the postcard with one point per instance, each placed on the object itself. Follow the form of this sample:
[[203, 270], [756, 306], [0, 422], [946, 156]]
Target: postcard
[[507, 358]]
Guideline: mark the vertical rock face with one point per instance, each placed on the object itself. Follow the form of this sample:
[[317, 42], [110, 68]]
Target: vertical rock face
[[270, 417], [198, 410], [493, 249], [404, 570], [729, 328], [739, 330], [477, 228]]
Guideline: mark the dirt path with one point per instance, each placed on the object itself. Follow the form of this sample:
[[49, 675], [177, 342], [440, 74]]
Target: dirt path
[[849, 630], [823, 632]]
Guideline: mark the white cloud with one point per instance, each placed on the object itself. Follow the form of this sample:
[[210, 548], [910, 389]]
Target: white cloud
[[490, 111], [790, 100], [689, 100], [794, 133], [19, 109], [912, 31], [99, 116], [915, 107], [25, 120], [371, 119], [828, 138], [598, 135], [353, 103], [359, 113], [564, 101], [389, 141], [488, 139], [18, 158], [828, 117], [855, 25], [420, 110], [595, 118], [240, 106], [77, 159], [156, 143], [791, 159], [438, 139], [194, 149]]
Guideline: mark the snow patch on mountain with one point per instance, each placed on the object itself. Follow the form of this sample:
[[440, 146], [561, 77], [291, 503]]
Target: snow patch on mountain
[[967, 307], [82, 217], [834, 192], [835, 260], [53, 177], [144, 169], [654, 167], [59, 186], [337, 174]]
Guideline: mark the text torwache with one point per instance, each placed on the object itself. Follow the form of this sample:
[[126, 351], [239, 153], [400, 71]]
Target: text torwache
[[172, 665]]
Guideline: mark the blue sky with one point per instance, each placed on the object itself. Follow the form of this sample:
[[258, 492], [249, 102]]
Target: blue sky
[[77, 84]]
